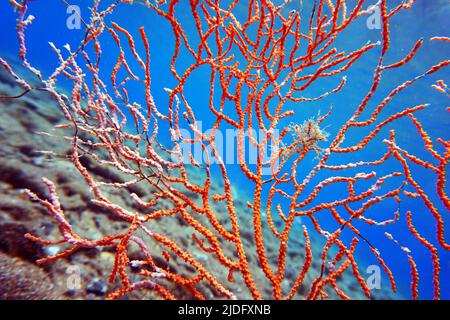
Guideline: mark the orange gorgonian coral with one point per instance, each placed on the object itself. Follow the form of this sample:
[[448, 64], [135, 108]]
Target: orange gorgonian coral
[[259, 62]]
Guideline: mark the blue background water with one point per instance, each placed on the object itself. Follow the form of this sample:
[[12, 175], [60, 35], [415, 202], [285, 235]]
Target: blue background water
[[425, 19]]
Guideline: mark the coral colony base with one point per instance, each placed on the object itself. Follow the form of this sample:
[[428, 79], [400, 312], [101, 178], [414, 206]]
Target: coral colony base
[[261, 66]]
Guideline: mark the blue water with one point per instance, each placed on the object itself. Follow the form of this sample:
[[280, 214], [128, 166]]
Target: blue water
[[424, 20]]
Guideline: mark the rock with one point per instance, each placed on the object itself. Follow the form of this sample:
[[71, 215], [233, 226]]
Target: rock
[[20, 280]]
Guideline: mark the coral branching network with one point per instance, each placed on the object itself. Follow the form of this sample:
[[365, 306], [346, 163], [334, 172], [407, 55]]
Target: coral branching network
[[262, 61]]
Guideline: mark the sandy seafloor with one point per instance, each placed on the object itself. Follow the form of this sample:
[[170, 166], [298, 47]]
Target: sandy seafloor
[[22, 165]]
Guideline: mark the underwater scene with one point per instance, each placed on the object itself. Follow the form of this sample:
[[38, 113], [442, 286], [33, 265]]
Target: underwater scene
[[224, 149]]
